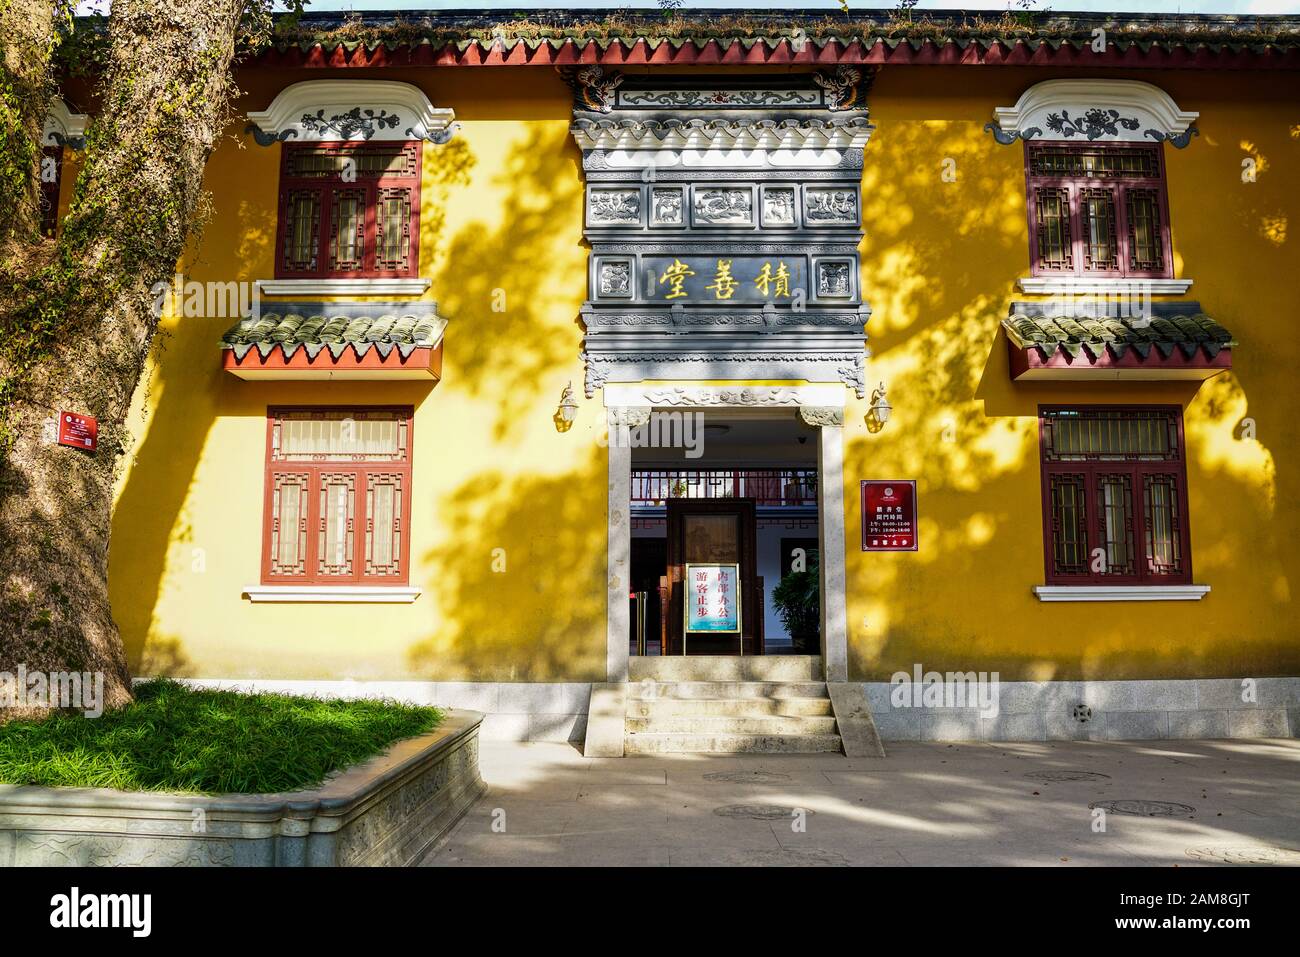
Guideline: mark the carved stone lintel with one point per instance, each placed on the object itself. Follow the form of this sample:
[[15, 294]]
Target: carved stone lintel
[[632, 416], [742, 396], [595, 376], [854, 374], [821, 415]]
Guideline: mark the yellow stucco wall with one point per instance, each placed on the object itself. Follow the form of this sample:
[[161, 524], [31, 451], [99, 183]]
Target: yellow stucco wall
[[939, 265], [502, 209]]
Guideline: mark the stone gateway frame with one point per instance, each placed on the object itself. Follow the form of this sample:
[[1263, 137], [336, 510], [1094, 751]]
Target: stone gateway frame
[[724, 217], [820, 406]]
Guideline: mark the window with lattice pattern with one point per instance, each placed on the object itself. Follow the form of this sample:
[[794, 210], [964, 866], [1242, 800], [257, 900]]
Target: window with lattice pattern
[[301, 231], [1053, 234], [1098, 210], [1114, 496], [348, 231], [393, 235], [338, 496], [349, 210]]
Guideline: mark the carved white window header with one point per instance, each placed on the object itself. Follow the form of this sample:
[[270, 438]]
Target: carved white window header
[[63, 127], [366, 110], [1086, 110]]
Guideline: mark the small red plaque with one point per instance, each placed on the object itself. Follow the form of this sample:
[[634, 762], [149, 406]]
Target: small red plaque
[[889, 516], [78, 431]]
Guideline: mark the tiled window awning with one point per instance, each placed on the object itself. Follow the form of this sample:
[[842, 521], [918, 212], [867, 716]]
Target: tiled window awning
[[1176, 341], [315, 341]]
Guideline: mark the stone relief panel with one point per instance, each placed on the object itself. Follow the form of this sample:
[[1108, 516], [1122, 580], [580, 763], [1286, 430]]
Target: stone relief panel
[[842, 90], [724, 207], [667, 207], [831, 206], [834, 279], [615, 278], [106, 850], [778, 206], [718, 98], [614, 207]]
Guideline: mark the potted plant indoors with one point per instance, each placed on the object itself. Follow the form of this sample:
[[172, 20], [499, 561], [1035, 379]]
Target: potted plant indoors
[[797, 599]]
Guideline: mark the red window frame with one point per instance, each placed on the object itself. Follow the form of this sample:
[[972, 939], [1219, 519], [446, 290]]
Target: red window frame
[[1140, 474], [328, 191], [362, 475], [1120, 187]]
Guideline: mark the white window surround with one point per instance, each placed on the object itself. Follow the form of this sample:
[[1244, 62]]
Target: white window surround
[[1156, 114], [414, 286], [1121, 592], [62, 126], [1067, 285], [389, 110], [354, 594]]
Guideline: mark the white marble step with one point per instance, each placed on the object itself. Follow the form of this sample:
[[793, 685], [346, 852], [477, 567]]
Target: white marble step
[[677, 743], [650, 690], [730, 707], [722, 724], [726, 668]]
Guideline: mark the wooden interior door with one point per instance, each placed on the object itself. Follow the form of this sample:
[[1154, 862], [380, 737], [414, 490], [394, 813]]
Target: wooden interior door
[[720, 531]]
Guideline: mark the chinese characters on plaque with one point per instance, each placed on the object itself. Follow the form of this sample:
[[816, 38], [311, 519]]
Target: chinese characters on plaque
[[889, 516], [712, 596], [732, 279]]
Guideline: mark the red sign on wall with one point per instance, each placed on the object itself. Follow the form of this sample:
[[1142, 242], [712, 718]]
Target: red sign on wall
[[889, 516], [78, 431]]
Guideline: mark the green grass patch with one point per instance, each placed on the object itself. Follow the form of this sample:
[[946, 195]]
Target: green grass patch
[[177, 738]]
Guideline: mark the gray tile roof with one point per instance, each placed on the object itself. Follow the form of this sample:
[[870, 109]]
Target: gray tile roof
[[1189, 331], [337, 330]]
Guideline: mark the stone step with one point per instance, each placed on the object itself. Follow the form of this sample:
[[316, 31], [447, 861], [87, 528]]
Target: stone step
[[731, 707], [678, 743], [649, 690], [726, 668], [721, 724]]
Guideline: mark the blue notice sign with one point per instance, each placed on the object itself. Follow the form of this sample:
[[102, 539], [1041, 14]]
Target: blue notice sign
[[712, 598]]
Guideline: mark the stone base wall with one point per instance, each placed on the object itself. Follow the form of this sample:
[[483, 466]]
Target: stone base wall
[[1028, 710], [1116, 711], [390, 810]]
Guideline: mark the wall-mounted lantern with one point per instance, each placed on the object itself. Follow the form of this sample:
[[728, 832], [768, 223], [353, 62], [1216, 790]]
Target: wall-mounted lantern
[[880, 409], [567, 410]]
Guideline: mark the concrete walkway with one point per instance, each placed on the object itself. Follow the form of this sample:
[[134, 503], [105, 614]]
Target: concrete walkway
[[925, 804]]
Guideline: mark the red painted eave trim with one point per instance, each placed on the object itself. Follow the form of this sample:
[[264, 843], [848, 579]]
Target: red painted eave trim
[[713, 53], [423, 360], [1024, 361]]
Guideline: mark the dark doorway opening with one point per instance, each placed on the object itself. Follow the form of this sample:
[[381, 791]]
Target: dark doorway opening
[[649, 562], [768, 461]]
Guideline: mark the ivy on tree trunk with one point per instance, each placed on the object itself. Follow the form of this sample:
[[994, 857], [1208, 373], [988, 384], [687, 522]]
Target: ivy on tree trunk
[[77, 319]]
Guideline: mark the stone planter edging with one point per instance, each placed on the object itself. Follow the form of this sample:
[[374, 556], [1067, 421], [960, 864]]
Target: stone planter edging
[[391, 810]]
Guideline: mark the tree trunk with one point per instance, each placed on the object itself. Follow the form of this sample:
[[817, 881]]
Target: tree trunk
[[77, 320]]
